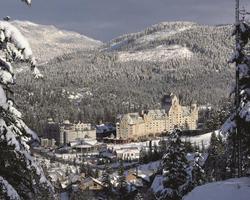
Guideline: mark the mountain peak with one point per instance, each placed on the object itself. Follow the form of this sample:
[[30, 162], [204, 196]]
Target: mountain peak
[[48, 38]]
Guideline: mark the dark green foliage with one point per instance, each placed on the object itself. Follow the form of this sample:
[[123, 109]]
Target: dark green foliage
[[106, 181], [237, 126], [143, 156], [188, 147], [198, 173], [83, 195], [216, 162], [162, 146], [217, 116], [138, 196], [88, 170], [175, 168], [122, 184]]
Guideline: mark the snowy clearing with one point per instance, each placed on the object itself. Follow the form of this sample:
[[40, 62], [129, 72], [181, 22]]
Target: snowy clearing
[[199, 139], [160, 53], [231, 189]]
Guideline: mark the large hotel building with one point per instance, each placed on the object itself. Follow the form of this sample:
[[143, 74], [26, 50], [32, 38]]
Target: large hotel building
[[154, 122]]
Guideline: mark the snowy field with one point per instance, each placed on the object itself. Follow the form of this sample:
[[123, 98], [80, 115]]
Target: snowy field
[[138, 145], [198, 140], [160, 53], [232, 189], [161, 35]]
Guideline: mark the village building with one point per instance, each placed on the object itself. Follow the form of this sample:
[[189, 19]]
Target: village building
[[129, 154], [48, 143], [105, 131], [154, 122], [67, 132]]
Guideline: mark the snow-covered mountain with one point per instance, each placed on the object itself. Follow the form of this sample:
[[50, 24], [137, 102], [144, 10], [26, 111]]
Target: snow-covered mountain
[[134, 70], [148, 44], [161, 42], [48, 42]]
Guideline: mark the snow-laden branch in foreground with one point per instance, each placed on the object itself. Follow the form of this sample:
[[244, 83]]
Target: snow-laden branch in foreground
[[229, 126], [8, 190], [14, 134], [28, 2], [16, 47]]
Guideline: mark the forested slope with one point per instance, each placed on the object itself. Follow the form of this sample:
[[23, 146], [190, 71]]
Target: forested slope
[[98, 84]]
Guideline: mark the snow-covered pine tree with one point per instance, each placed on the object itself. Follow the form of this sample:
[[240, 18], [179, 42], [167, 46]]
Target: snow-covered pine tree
[[138, 196], [20, 176], [216, 161], [198, 173], [238, 125], [175, 167], [162, 147], [122, 184], [106, 180], [143, 156]]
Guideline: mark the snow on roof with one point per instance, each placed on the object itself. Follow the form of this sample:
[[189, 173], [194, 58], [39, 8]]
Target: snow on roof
[[85, 143], [138, 145], [150, 166], [145, 175], [230, 189], [74, 178], [64, 196], [159, 113], [97, 181], [127, 150], [157, 184], [186, 111]]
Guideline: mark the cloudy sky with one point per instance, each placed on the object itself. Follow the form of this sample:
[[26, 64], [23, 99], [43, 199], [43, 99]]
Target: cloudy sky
[[106, 19]]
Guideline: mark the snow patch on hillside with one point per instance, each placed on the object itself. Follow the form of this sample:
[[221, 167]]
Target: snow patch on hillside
[[161, 53], [161, 35], [230, 189], [48, 42]]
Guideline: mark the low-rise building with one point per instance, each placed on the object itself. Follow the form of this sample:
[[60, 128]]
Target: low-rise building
[[128, 154], [45, 142], [87, 146], [153, 122], [105, 130], [67, 132]]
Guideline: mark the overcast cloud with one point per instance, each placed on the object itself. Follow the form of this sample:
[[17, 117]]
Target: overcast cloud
[[106, 19]]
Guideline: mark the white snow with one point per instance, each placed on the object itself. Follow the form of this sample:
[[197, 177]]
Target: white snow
[[232, 189], [245, 112], [199, 139], [3, 98], [161, 53], [8, 189], [12, 34], [49, 42], [27, 2], [161, 35], [76, 96], [150, 166], [229, 125], [157, 185], [18, 45]]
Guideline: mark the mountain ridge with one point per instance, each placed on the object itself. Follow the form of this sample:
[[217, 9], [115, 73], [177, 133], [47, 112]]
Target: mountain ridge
[[95, 84], [49, 42]]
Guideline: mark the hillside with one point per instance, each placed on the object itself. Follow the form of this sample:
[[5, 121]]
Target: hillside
[[49, 42], [224, 190], [133, 72]]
